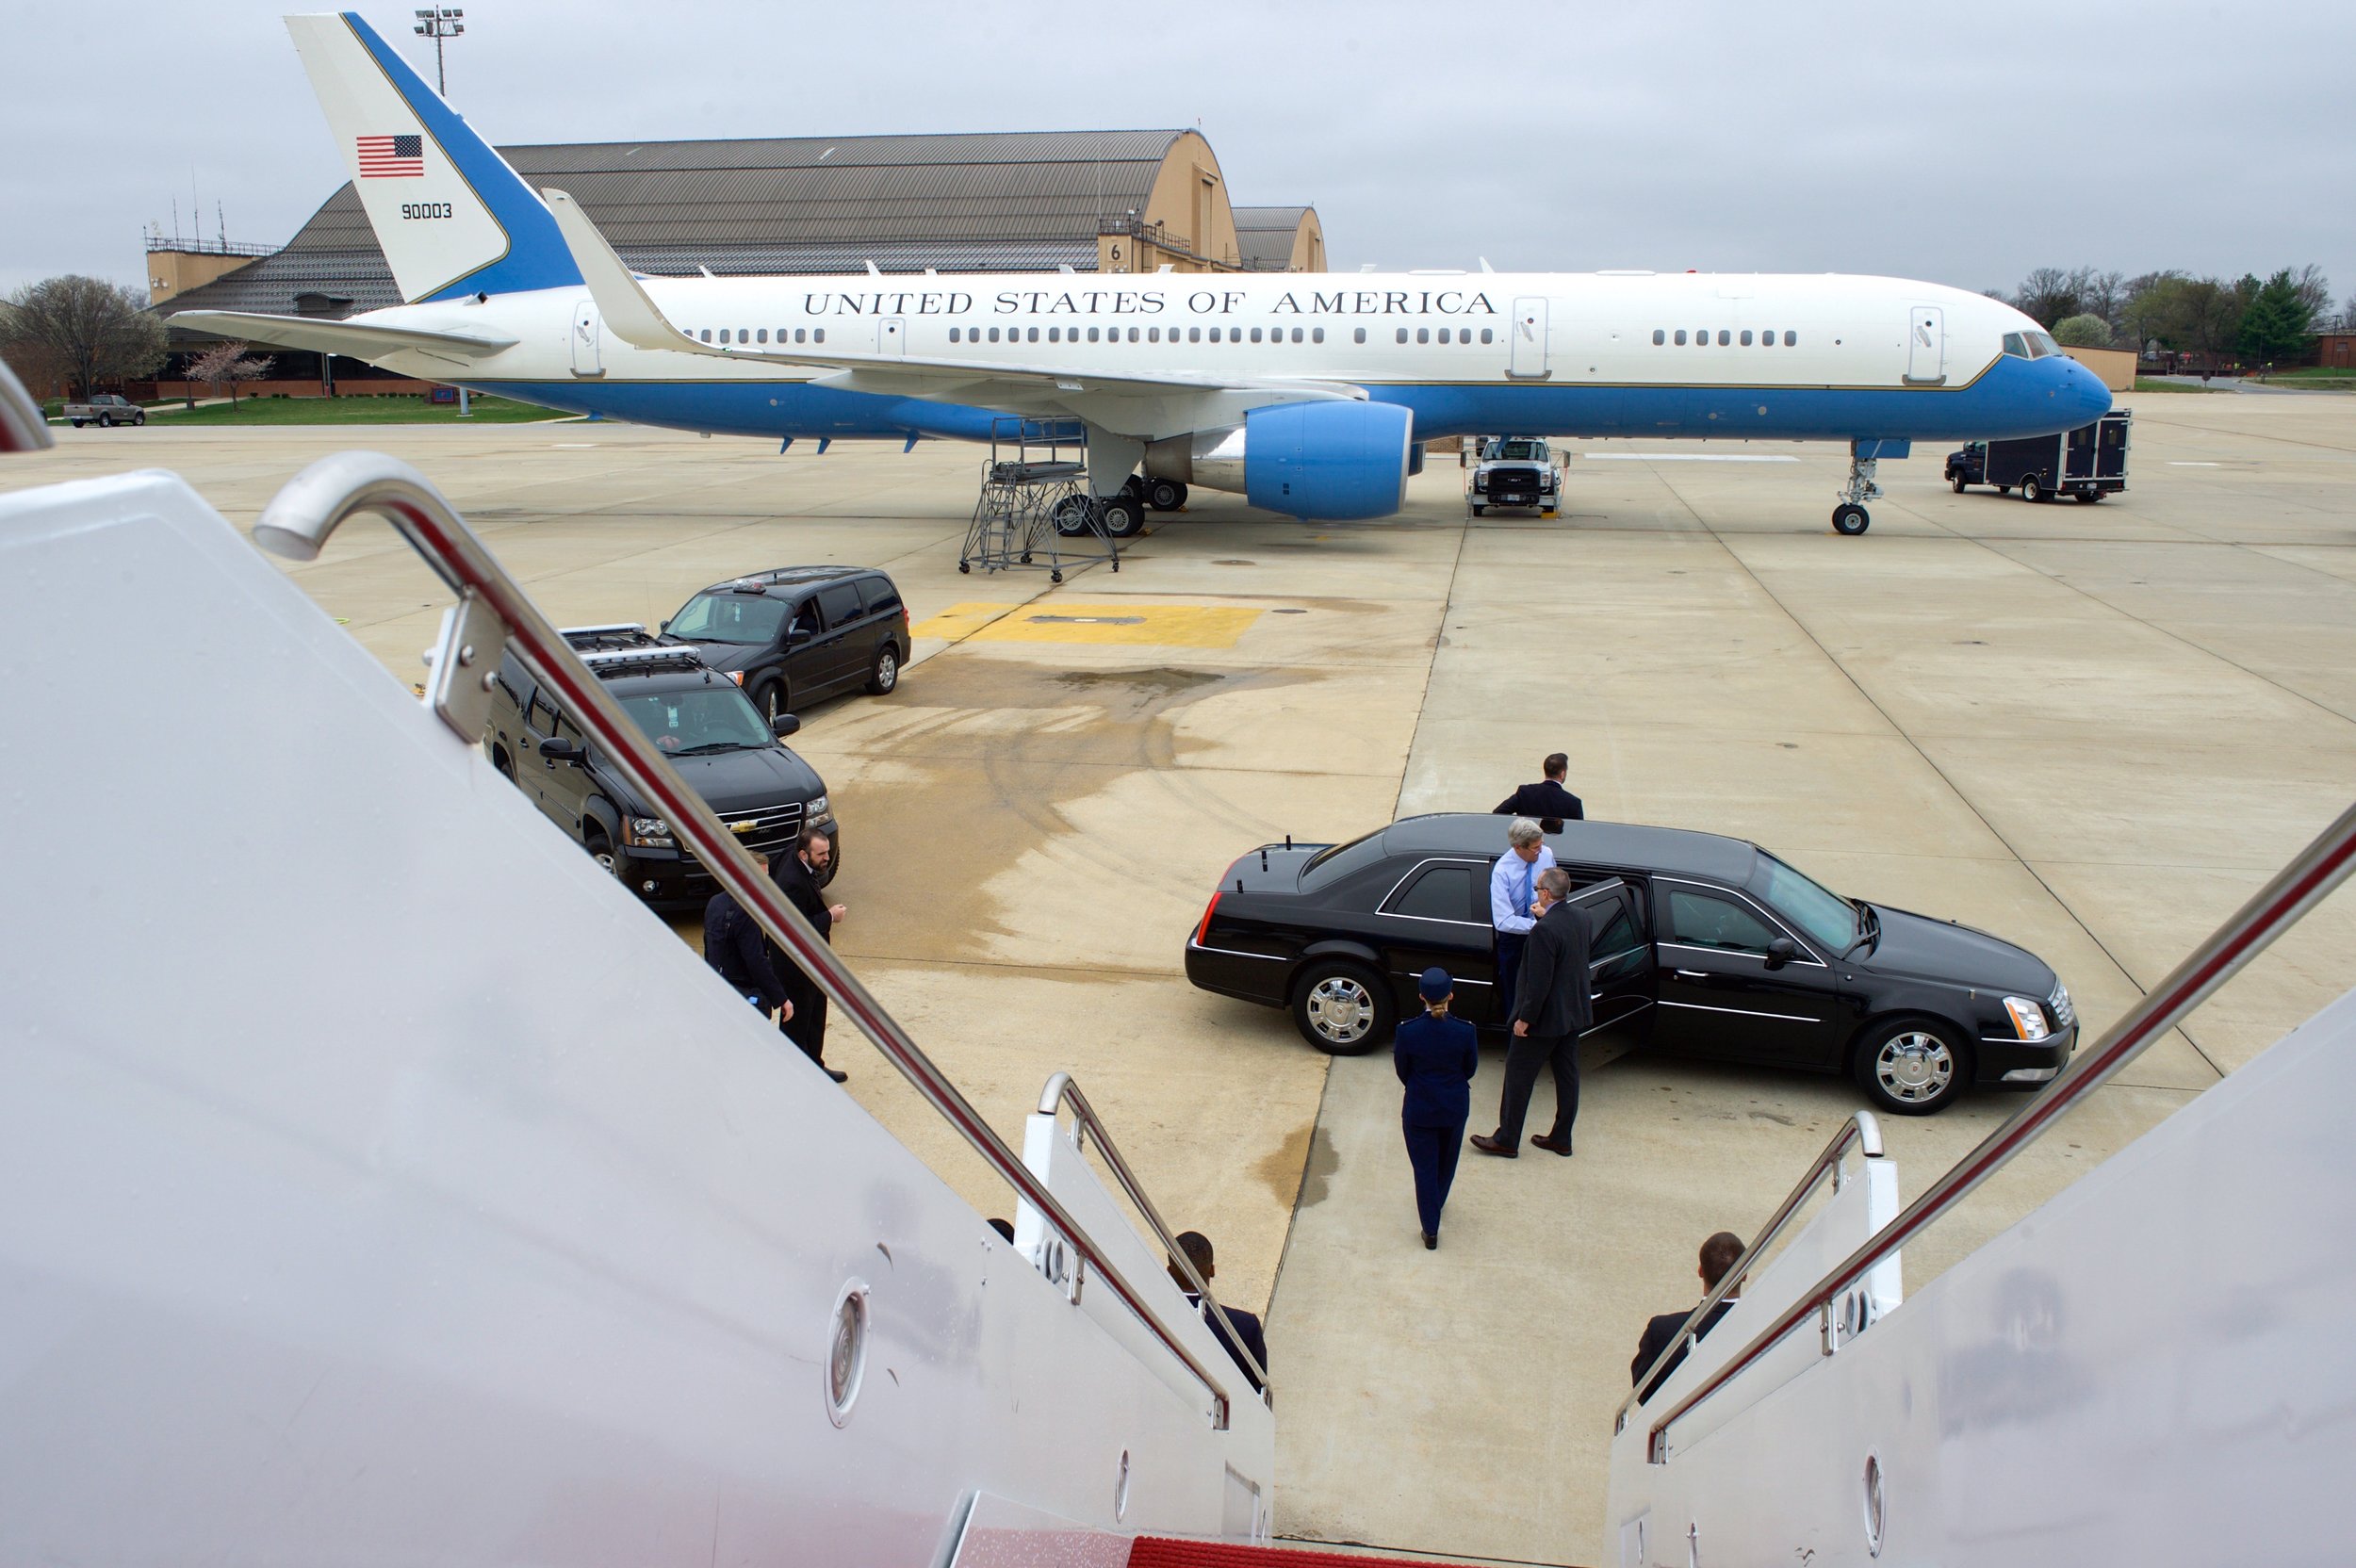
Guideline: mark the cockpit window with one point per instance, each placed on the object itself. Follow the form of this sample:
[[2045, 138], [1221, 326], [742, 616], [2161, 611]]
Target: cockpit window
[[2016, 345], [2041, 345]]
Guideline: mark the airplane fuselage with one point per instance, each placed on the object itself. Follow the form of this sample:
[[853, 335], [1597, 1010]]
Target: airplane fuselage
[[1718, 356]]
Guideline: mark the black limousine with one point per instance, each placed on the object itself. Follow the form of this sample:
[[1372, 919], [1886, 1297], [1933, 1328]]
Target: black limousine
[[1705, 945]]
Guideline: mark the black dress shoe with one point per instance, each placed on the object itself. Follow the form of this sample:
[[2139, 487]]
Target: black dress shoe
[[837, 1075], [1488, 1145], [1543, 1141], [1432, 1241]]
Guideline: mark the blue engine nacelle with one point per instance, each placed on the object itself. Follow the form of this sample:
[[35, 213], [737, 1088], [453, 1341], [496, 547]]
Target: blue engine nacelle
[[1328, 460]]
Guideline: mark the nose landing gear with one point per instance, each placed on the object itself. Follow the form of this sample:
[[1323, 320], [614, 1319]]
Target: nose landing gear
[[1850, 516]]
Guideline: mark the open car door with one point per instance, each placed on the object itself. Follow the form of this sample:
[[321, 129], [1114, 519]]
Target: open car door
[[1620, 956]]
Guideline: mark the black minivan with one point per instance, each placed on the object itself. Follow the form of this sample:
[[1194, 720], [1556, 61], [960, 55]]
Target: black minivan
[[799, 634], [1702, 944]]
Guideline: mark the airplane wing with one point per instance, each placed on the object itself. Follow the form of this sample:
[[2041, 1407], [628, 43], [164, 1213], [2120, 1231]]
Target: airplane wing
[[636, 320], [360, 339]]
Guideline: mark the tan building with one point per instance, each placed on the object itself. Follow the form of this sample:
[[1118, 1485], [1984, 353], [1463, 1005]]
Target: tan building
[[1031, 201], [1281, 239]]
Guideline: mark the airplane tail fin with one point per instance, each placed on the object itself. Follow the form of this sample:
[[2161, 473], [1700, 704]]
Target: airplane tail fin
[[451, 216]]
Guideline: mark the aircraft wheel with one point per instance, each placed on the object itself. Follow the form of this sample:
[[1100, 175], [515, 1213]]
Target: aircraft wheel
[[1071, 516], [1849, 517], [1124, 517], [1164, 494]]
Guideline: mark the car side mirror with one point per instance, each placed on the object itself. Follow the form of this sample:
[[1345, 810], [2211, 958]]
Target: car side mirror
[[1781, 952], [796, 635], [784, 725], [664, 626], [558, 749]]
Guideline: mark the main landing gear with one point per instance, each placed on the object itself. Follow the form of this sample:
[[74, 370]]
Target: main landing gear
[[1850, 516]]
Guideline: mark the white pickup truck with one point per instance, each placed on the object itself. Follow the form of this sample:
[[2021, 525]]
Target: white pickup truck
[[1513, 470], [108, 408]]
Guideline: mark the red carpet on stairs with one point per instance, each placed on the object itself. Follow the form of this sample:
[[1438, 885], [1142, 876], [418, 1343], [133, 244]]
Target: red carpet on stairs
[[1156, 1551]]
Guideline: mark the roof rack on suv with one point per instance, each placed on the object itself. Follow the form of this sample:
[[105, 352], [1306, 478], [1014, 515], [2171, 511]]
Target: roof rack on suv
[[641, 661], [592, 639]]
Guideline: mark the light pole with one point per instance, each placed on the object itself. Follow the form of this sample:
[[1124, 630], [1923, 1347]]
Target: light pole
[[438, 24]]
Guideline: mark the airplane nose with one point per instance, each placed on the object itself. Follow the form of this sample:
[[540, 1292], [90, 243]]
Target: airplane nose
[[2086, 392]]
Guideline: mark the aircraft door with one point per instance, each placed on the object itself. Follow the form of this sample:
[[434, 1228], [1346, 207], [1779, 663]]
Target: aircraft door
[[1529, 355], [1926, 345], [892, 335], [586, 359]]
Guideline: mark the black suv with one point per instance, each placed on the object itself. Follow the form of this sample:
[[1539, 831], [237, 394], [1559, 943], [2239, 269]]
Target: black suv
[[697, 718], [1703, 945], [799, 634]]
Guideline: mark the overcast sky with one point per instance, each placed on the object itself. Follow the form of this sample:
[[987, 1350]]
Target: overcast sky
[[1961, 145]]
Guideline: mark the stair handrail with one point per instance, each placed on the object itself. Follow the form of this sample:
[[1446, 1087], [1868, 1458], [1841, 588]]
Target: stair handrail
[[1061, 1091], [296, 523], [1862, 1132], [2309, 878]]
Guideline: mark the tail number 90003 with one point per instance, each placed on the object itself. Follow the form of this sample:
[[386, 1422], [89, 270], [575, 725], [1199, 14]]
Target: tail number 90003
[[425, 210]]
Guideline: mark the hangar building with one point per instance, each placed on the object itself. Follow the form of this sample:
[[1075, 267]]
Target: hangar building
[[1093, 200]]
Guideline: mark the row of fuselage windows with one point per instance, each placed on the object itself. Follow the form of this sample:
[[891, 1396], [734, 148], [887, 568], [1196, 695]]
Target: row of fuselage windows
[[1726, 338], [742, 334], [1112, 335]]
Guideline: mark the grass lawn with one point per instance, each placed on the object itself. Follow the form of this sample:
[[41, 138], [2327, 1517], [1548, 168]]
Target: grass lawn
[[2146, 384], [349, 411]]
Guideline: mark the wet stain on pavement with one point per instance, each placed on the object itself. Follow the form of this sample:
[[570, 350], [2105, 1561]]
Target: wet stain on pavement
[[1303, 1165]]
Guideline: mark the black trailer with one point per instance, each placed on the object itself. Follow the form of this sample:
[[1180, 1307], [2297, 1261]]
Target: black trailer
[[2088, 462]]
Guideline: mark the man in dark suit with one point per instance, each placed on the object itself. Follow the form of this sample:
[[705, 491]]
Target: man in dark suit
[[734, 944], [1197, 1247], [1552, 1008], [1547, 801], [798, 876], [1719, 1254]]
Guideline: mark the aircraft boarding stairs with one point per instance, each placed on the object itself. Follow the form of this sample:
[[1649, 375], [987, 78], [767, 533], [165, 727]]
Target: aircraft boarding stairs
[[380, 1181]]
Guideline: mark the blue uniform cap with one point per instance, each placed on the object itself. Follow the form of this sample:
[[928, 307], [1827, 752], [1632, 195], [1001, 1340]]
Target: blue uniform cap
[[1435, 984]]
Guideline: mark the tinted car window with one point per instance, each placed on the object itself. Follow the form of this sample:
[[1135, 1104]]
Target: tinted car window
[[1821, 912], [1439, 892], [1617, 933], [878, 594], [840, 601], [749, 618], [1336, 860], [541, 720], [698, 719], [1705, 919]]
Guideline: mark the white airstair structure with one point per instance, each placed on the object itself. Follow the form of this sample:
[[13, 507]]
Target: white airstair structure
[[381, 1182]]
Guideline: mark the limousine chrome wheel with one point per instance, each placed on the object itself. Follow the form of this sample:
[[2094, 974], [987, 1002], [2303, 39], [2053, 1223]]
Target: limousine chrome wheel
[[1341, 1008], [1910, 1069]]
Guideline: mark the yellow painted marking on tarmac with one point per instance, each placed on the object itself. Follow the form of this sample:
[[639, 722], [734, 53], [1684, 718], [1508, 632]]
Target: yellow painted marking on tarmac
[[1185, 625], [959, 621]]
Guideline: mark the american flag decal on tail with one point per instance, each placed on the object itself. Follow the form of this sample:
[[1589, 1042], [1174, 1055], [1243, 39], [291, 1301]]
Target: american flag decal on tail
[[388, 157]]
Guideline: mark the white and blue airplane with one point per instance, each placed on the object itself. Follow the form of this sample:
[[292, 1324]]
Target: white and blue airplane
[[1306, 392]]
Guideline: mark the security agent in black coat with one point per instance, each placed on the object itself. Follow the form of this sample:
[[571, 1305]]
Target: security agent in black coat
[[1719, 1254], [1552, 1006], [734, 945], [1435, 1057], [796, 875], [1546, 801]]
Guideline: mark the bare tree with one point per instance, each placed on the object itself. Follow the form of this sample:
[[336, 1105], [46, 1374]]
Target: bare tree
[[2049, 294], [95, 330], [2102, 295], [225, 364], [2314, 292]]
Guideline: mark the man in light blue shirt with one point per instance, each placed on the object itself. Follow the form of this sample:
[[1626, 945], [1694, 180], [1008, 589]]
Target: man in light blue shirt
[[1514, 900]]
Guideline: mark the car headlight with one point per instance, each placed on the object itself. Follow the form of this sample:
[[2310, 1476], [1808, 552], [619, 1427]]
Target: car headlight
[[817, 808], [647, 833], [737, 676], [1480, 481], [2028, 1019]]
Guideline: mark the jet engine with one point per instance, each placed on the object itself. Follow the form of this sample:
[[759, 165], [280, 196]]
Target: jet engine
[[1321, 460]]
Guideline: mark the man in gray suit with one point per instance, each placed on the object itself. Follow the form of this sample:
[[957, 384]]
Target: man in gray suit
[[1552, 1006]]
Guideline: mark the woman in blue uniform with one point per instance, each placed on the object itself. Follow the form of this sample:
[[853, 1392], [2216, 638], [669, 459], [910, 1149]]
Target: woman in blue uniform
[[1435, 1057]]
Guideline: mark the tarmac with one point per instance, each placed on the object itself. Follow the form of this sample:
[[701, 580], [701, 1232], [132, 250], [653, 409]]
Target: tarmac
[[2092, 729]]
